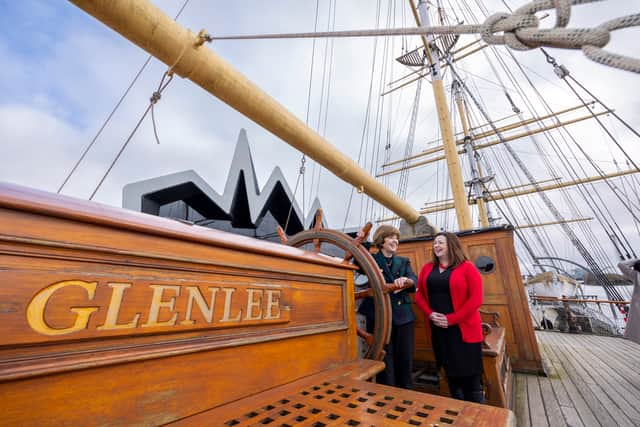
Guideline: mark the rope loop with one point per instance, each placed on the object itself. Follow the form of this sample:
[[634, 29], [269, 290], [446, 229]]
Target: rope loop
[[601, 56]]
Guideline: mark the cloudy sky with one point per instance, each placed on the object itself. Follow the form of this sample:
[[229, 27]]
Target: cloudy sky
[[63, 72]]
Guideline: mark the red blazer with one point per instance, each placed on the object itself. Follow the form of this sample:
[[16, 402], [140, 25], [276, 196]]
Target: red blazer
[[466, 295]]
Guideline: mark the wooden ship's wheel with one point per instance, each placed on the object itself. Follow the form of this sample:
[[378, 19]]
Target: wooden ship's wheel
[[353, 250]]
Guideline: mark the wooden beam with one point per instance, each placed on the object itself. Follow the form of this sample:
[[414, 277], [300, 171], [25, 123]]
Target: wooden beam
[[542, 224], [148, 27], [487, 133], [495, 142]]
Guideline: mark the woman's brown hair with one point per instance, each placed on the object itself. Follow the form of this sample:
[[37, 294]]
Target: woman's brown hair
[[454, 249], [382, 233]]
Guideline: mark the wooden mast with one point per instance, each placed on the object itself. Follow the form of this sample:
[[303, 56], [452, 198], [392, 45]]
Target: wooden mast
[[463, 211], [473, 162], [148, 27]]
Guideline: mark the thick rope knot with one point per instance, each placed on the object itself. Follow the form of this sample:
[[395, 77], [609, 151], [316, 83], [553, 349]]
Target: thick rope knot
[[520, 31], [509, 24]]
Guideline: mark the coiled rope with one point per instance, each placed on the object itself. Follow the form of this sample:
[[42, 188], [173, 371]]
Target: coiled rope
[[520, 31]]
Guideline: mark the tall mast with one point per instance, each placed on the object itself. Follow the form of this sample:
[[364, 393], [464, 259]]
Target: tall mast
[[477, 181], [148, 27], [463, 212]]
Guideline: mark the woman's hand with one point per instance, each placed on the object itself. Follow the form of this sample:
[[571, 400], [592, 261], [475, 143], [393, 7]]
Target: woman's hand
[[439, 319], [399, 283]]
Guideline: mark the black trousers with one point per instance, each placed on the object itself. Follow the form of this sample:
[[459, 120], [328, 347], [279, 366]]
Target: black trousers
[[466, 388], [399, 358]]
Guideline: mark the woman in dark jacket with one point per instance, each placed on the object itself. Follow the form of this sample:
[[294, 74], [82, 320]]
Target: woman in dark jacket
[[401, 280], [450, 295]]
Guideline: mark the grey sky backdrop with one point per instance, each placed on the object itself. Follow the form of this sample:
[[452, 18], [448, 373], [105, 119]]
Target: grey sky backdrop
[[62, 72]]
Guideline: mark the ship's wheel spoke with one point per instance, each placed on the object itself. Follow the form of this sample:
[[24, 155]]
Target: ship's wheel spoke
[[353, 249]]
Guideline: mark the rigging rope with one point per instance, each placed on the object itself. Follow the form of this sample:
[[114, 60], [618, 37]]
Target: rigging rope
[[606, 283], [596, 246], [152, 101], [303, 159], [520, 32], [104, 124]]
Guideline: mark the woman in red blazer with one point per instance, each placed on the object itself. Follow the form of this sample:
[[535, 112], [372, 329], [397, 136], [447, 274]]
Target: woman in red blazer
[[450, 295]]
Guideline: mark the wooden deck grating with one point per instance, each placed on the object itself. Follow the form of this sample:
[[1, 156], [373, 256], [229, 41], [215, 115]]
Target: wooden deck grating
[[593, 381]]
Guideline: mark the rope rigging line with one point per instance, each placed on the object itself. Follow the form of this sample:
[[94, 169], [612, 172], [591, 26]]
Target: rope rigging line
[[367, 113], [323, 132], [596, 246], [152, 101], [606, 283], [542, 233], [563, 74], [303, 159], [379, 117], [520, 32], [113, 111], [525, 99]]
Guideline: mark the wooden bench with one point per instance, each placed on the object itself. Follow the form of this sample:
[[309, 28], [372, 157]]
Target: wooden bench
[[497, 376], [109, 317]]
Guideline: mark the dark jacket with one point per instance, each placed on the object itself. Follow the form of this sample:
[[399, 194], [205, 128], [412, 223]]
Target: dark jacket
[[401, 311]]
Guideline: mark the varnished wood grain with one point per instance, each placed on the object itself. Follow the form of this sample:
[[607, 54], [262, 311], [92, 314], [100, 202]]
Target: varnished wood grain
[[591, 382], [109, 317], [503, 293]]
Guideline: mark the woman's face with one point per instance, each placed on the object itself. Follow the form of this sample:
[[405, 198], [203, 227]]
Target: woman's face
[[440, 247], [390, 243]]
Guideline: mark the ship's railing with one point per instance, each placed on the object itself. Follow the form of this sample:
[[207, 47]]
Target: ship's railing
[[585, 306]]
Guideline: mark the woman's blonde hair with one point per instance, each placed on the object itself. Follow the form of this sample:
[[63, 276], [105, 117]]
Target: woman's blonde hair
[[382, 233]]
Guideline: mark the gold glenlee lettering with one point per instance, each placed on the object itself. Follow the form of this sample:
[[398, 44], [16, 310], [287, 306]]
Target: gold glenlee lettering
[[261, 304]]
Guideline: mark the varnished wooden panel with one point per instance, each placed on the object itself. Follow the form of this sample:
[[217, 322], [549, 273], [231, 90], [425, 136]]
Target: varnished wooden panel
[[109, 317], [503, 293], [157, 391]]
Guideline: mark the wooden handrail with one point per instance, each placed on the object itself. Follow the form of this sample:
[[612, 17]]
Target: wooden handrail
[[598, 301]]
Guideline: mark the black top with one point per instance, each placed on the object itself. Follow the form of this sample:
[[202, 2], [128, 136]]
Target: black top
[[393, 268], [459, 359]]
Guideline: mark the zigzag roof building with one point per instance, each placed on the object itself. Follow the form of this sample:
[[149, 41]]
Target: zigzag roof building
[[242, 208]]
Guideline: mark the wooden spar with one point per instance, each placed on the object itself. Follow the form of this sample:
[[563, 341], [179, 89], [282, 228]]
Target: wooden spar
[[487, 133], [439, 202], [502, 195], [463, 211], [149, 28], [408, 82], [542, 224], [496, 142]]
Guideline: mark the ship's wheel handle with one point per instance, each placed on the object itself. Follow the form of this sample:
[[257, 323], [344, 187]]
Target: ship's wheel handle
[[353, 249]]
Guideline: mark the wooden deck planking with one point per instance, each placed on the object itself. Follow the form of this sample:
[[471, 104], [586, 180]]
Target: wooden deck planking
[[625, 351], [558, 387], [594, 387], [551, 405], [521, 406], [536, 404], [593, 380], [618, 388], [578, 402]]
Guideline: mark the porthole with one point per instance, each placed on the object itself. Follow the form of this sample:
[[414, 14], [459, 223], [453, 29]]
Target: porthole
[[485, 264]]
